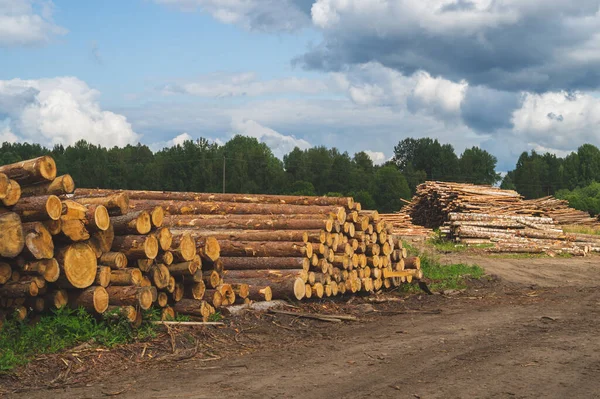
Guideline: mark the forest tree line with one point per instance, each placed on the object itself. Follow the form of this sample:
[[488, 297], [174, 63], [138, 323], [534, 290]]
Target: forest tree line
[[251, 167]]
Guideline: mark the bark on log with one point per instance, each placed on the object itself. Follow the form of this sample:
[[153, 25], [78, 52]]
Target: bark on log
[[5, 272], [53, 226], [59, 186], [253, 235], [195, 290], [32, 171], [347, 202], [116, 260], [103, 240], [213, 297], [273, 275], [13, 194], [211, 278], [117, 204], [12, 239], [413, 262], [192, 307], [185, 269], [136, 246], [135, 223], [103, 276], [36, 209], [250, 222], [272, 263], [92, 299], [130, 296], [78, 265], [38, 241], [288, 287], [265, 249], [131, 276], [57, 298], [19, 289], [242, 290]]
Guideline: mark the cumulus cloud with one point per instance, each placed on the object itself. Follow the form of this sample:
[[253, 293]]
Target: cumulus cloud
[[243, 84], [61, 110], [179, 140], [7, 136], [27, 22], [377, 157], [279, 143], [510, 45], [259, 15]]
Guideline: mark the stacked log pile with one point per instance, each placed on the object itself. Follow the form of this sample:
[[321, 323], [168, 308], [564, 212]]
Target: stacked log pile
[[403, 227], [118, 253], [281, 246], [476, 215]]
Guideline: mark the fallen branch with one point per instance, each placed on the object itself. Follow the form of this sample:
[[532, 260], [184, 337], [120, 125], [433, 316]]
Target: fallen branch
[[316, 316], [189, 323]]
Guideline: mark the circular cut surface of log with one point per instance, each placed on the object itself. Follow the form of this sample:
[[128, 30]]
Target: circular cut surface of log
[[80, 264], [101, 218], [100, 300], [11, 235], [53, 207], [151, 247]]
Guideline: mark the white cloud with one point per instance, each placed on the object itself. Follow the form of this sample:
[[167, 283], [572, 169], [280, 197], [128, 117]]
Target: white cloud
[[7, 136], [558, 120], [261, 15], [376, 156], [279, 143], [244, 84], [437, 95], [179, 140], [27, 22], [61, 110]]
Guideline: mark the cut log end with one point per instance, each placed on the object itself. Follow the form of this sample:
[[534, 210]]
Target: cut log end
[[157, 216], [79, 264], [13, 195], [101, 218]]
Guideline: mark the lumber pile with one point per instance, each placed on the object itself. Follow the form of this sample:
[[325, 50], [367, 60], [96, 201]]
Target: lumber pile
[[560, 211], [118, 253], [403, 227]]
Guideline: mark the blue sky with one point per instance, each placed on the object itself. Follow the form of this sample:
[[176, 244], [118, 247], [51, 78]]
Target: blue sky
[[355, 74]]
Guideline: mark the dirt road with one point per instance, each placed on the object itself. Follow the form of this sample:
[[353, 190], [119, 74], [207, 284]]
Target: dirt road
[[527, 335]]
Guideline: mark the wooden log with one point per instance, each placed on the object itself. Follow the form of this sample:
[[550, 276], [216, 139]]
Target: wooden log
[[37, 304], [213, 297], [185, 269], [12, 239], [59, 186], [347, 202], [130, 296], [128, 313], [136, 246], [255, 235], [103, 240], [240, 275], [211, 278], [4, 185], [32, 171], [53, 226], [171, 287], [74, 230], [165, 238], [92, 299], [157, 216], [166, 258], [5, 272], [264, 263], [144, 264], [265, 249], [178, 292], [134, 223], [288, 287], [57, 299], [227, 293], [13, 194], [131, 276], [116, 260], [250, 222], [414, 262], [19, 289], [78, 265], [38, 241], [242, 290], [103, 276], [160, 276], [195, 290], [183, 247], [117, 204], [208, 248], [36, 209], [192, 307], [162, 299]]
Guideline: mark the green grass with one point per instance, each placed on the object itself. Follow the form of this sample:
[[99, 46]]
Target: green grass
[[20, 341], [442, 244], [593, 230], [215, 317]]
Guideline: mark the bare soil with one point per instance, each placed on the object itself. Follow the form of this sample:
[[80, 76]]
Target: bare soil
[[529, 330]]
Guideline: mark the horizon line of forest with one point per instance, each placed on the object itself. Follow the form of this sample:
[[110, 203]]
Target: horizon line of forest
[[251, 167]]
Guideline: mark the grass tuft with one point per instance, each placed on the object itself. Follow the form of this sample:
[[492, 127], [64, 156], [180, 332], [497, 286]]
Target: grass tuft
[[61, 329]]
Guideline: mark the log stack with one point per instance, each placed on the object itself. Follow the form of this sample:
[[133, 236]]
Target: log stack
[[120, 252]]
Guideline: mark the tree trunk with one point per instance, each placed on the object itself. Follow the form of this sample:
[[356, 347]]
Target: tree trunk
[[213, 297], [285, 287], [117, 204], [185, 269], [265, 249], [61, 185], [103, 240], [53, 226], [58, 299], [347, 202], [19, 289], [136, 246], [132, 276], [4, 185], [116, 260], [132, 223], [78, 265], [92, 299], [130, 296], [164, 237], [160, 276], [166, 258], [273, 263], [73, 230], [41, 169], [103, 276], [227, 293], [157, 216], [38, 241], [273, 275], [211, 278], [37, 209], [192, 307], [255, 235], [195, 290], [13, 194], [250, 222], [183, 247], [242, 290], [12, 238]]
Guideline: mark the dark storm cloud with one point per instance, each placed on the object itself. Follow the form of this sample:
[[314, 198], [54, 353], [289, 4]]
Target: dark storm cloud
[[531, 49], [488, 110]]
